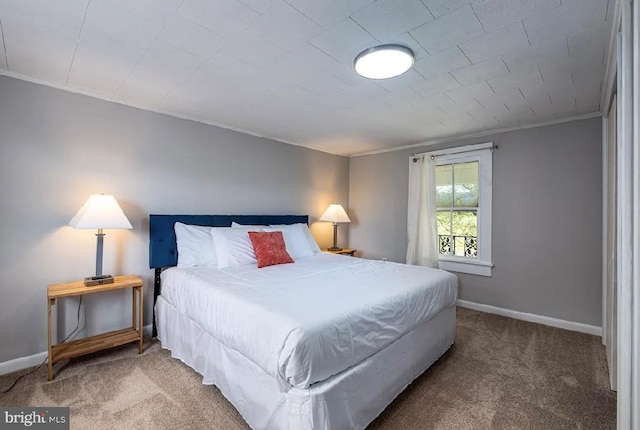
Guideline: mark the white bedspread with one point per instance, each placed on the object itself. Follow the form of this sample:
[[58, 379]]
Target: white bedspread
[[309, 320]]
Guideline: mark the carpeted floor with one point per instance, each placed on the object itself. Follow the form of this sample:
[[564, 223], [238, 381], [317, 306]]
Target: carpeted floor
[[500, 374]]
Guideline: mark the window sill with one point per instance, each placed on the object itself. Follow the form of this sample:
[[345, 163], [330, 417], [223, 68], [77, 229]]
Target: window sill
[[461, 266]]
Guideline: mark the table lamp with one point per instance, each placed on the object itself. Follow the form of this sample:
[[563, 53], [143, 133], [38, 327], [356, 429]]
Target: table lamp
[[100, 212], [335, 213]]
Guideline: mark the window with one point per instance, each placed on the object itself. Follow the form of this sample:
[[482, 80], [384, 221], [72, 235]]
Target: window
[[457, 208], [463, 208]]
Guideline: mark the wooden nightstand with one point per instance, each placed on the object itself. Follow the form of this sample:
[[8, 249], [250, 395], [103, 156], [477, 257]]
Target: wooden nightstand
[[343, 251], [76, 348]]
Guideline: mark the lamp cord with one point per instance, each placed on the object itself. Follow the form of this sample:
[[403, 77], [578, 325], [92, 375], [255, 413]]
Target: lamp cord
[[75, 330]]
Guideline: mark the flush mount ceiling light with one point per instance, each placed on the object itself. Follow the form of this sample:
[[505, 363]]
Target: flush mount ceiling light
[[384, 61]]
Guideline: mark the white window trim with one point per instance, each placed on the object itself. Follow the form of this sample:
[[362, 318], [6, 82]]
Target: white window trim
[[471, 267], [483, 152]]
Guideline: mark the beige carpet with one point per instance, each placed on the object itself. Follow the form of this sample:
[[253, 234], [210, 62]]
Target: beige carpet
[[500, 374]]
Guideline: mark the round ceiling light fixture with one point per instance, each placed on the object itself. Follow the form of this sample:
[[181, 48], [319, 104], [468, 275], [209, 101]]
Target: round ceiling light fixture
[[384, 61]]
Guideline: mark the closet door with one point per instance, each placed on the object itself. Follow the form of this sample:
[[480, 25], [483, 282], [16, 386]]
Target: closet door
[[611, 317]]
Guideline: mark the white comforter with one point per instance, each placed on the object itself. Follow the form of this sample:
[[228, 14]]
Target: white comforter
[[304, 322]]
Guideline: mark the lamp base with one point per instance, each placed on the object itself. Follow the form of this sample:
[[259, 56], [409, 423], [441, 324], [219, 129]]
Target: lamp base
[[335, 248], [98, 280]]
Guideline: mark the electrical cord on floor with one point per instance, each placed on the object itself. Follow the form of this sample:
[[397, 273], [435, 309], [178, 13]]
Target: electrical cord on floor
[[75, 330]]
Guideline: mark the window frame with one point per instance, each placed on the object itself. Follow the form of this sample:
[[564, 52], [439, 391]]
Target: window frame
[[482, 153], [445, 161]]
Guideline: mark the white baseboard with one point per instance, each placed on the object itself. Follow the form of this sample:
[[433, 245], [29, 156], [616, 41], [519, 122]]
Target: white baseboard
[[540, 319], [37, 359], [22, 363]]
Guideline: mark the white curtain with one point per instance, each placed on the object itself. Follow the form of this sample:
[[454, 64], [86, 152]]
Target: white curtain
[[422, 246]]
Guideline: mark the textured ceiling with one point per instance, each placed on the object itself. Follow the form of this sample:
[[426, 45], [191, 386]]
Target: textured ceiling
[[284, 68]]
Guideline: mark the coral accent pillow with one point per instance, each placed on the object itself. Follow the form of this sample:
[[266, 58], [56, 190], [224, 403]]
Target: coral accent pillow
[[269, 248]]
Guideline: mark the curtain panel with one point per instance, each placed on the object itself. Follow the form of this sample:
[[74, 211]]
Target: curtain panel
[[422, 247]]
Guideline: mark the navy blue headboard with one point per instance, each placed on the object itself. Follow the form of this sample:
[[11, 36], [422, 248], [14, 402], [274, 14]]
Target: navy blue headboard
[[162, 238]]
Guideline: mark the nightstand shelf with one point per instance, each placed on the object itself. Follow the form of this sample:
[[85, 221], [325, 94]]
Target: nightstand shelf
[[65, 351], [77, 348], [343, 251]]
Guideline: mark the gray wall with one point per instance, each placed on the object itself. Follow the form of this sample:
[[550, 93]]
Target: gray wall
[[547, 218], [57, 148]]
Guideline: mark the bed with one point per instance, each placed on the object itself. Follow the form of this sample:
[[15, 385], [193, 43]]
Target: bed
[[324, 343]]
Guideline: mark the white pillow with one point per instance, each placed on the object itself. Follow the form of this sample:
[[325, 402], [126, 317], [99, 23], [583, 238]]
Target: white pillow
[[195, 246], [294, 239], [310, 239], [236, 225], [233, 246]]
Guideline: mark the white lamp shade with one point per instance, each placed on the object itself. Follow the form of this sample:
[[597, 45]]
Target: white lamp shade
[[100, 211], [335, 213]]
